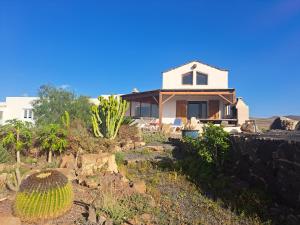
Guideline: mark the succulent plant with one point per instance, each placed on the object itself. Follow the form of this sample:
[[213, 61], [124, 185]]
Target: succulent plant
[[108, 116], [43, 195]]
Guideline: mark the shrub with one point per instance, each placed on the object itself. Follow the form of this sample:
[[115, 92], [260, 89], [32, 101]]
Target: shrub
[[17, 136], [54, 102], [215, 144], [4, 155], [150, 137], [53, 139], [129, 132], [43, 195]]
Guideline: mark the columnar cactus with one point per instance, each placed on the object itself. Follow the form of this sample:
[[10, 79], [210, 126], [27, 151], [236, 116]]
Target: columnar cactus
[[108, 116], [43, 195]]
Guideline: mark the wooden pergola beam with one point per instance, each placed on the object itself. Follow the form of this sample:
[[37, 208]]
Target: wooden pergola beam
[[167, 99], [225, 99], [196, 93]]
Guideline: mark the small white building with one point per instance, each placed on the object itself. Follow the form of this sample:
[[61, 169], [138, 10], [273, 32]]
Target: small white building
[[195, 90], [17, 108]]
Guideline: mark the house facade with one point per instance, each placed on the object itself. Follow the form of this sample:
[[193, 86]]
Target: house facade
[[194, 89], [21, 108]]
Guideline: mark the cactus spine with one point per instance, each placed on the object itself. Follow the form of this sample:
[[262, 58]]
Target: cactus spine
[[43, 195], [108, 116]]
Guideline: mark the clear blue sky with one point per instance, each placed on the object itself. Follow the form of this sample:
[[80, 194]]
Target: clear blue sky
[[101, 47]]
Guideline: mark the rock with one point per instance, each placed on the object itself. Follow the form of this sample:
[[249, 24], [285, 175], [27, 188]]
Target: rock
[[297, 128], [89, 164], [67, 161], [139, 144], [91, 183], [292, 220], [140, 186], [115, 148], [69, 173], [109, 222], [8, 219], [101, 220], [157, 148], [92, 218], [127, 146], [283, 123], [249, 127]]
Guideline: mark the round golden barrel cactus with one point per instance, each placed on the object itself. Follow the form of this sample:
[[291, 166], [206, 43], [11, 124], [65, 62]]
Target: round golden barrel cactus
[[43, 195]]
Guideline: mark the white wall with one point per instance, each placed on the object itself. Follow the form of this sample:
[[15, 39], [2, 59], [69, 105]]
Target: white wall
[[13, 108], [169, 108], [217, 79], [242, 111]]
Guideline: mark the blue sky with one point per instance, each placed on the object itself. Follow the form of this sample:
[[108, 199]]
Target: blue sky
[[102, 47]]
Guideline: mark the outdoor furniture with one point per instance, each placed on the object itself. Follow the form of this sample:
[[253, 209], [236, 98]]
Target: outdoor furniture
[[177, 124]]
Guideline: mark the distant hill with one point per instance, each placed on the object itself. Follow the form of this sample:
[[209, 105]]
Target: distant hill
[[264, 123]]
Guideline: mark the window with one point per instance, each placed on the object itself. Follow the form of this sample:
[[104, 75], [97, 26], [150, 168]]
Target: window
[[227, 110], [28, 114], [143, 109], [197, 110], [201, 79], [187, 79]]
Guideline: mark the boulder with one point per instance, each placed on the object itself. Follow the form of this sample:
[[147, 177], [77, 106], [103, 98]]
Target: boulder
[[67, 161], [89, 164], [156, 148], [297, 128], [140, 186], [8, 219], [139, 144], [283, 123], [69, 173], [249, 127]]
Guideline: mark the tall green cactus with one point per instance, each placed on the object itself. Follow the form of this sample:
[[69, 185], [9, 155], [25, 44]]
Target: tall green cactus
[[107, 117], [43, 195]]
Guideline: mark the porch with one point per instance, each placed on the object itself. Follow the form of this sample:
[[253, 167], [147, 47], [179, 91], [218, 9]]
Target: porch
[[206, 105]]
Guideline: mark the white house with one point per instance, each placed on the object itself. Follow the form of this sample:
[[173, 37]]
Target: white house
[[17, 108], [194, 89], [21, 108]]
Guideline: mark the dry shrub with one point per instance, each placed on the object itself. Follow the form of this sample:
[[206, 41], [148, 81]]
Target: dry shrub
[[81, 139], [129, 132]]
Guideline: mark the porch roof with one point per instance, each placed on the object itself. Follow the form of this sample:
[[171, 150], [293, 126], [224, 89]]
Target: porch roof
[[223, 93]]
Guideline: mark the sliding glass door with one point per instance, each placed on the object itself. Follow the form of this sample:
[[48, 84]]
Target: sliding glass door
[[197, 109]]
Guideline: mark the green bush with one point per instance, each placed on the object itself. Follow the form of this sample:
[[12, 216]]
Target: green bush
[[212, 146], [43, 195], [4, 155], [53, 138]]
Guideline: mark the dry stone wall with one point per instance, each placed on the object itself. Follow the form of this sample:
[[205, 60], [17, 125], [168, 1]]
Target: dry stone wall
[[272, 164]]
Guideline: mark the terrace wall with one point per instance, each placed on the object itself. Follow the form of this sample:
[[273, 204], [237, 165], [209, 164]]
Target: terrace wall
[[272, 164]]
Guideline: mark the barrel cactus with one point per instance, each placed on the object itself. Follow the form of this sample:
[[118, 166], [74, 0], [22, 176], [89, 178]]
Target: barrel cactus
[[43, 195]]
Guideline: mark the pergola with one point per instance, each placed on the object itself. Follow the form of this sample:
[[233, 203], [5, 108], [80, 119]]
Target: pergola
[[161, 96]]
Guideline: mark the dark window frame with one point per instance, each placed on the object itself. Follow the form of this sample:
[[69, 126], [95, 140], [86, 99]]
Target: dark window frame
[[198, 74], [185, 75], [199, 105]]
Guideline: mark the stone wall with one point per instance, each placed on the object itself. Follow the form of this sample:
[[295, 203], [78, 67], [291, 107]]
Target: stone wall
[[272, 164]]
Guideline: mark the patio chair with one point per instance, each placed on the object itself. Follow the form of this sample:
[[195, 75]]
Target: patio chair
[[177, 124]]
